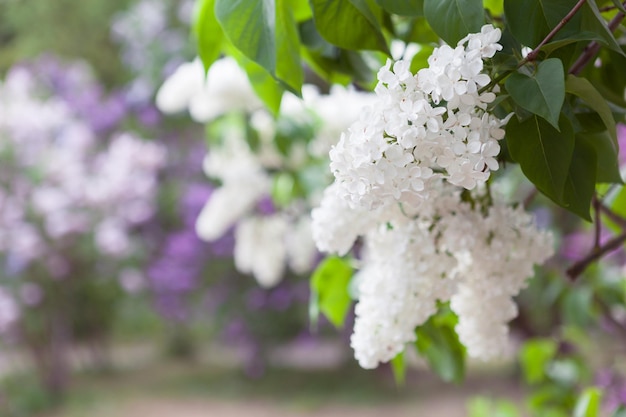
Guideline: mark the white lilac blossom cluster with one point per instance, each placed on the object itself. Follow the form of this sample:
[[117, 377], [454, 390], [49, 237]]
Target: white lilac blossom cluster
[[400, 172], [448, 252], [423, 127], [267, 238], [61, 186]]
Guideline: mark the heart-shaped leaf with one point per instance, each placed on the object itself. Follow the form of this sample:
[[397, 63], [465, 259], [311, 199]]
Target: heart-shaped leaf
[[543, 152], [543, 93]]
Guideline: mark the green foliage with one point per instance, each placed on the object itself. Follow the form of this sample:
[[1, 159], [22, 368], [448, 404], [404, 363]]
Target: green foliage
[[403, 7], [483, 407], [588, 404], [534, 358], [264, 31], [329, 289], [543, 152], [438, 342], [452, 20], [208, 33], [582, 88], [362, 17], [542, 93], [398, 367]]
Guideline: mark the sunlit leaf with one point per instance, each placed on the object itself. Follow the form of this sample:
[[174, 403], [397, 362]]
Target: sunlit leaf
[[329, 285]]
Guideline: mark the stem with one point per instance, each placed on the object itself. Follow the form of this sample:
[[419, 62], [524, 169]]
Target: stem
[[598, 226], [592, 49], [532, 55], [579, 267], [606, 310]]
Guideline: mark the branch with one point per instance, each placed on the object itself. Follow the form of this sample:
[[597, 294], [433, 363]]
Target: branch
[[598, 225], [579, 267], [532, 55], [592, 49], [606, 310]]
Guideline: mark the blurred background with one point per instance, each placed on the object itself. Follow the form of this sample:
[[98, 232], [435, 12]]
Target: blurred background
[[110, 305]]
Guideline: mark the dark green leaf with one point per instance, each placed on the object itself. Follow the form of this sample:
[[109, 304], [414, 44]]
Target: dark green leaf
[[581, 181], [439, 344], [350, 24], [534, 357], [531, 20], [264, 31], [606, 153], [592, 20], [543, 152], [452, 20], [208, 33], [588, 404], [542, 93], [329, 285], [579, 37], [398, 367], [583, 89], [403, 7]]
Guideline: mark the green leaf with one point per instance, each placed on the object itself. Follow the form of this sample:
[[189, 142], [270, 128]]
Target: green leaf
[[606, 154], [265, 31], [576, 306], [264, 85], [543, 152], [452, 20], [534, 358], [543, 93], [398, 367], [550, 47], [329, 284], [619, 5], [495, 7], [531, 20], [592, 20], [583, 89], [403, 7], [588, 404], [439, 344], [208, 33], [581, 181], [350, 24]]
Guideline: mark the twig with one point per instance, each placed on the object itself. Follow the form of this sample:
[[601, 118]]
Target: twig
[[606, 310], [532, 55], [530, 197], [592, 49], [579, 267], [598, 225], [614, 217]]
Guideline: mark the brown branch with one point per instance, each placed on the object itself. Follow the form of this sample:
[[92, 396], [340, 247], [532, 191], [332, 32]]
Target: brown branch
[[532, 55], [579, 267], [606, 311], [592, 49], [529, 198], [614, 217], [598, 225]]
